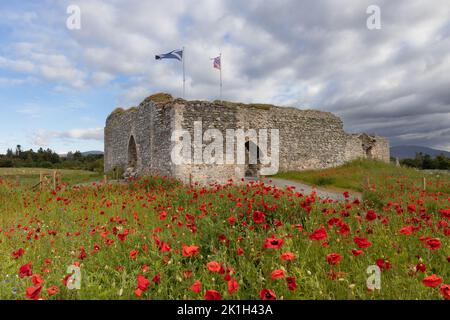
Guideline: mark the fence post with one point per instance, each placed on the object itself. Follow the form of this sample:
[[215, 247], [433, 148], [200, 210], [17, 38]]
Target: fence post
[[367, 182], [54, 180], [18, 180], [40, 180], [105, 181], [424, 184]]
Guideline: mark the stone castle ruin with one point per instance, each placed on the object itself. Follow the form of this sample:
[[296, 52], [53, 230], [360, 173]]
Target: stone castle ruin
[[138, 140]]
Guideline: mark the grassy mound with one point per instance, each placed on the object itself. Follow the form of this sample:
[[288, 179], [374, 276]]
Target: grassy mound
[[353, 175], [160, 97]]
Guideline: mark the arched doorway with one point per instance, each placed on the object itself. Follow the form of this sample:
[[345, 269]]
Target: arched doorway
[[132, 153], [252, 160], [369, 152]]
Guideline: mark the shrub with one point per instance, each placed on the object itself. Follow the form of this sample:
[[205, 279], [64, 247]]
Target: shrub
[[6, 163], [373, 199], [155, 182], [323, 181]]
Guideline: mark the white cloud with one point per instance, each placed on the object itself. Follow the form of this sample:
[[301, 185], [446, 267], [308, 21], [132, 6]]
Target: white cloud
[[44, 137], [315, 54]]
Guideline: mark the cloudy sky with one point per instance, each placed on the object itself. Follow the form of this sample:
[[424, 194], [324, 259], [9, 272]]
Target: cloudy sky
[[58, 85]]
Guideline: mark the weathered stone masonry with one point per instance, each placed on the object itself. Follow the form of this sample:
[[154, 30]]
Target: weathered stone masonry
[[140, 137]]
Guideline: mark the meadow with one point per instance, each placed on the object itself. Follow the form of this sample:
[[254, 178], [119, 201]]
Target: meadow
[[352, 176], [155, 238], [30, 176]]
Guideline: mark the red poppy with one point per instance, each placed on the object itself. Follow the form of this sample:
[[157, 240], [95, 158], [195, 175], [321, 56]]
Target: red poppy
[[383, 264], [421, 267], [445, 213], [277, 274], [292, 284], [445, 291], [233, 286], [37, 280], [432, 281], [142, 284], [266, 294], [258, 217], [344, 229], [273, 243], [51, 291], [407, 230], [212, 295], [66, 279], [334, 258], [187, 273], [189, 251], [162, 215], [213, 266], [432, 243], [319, 234], [156, 279], [133, 254], [287, 256], [231, 220], [18, 253], [371, 215], [123, 236], [25, 270], [82, 254], [196, 287], [357, 252], [362, 243], [33, 292]]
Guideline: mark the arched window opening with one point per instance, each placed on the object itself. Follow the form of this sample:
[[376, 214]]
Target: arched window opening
[[132, 153], [252, 161]]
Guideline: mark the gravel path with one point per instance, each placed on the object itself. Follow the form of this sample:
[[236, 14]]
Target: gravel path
[[304, 188]]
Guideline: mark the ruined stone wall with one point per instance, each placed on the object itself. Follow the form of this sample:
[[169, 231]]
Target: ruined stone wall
[[150, 124], [308, 139], [381, 150], [212, 116], [353, 148], [117, 134], [367, 146]]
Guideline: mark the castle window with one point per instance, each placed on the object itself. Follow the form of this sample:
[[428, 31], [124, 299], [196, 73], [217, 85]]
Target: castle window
[[132, 153], [251, 166]]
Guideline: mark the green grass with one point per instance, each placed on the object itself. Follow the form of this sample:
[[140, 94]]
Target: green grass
[[351, 176], [79, 216], [52, 229], [30, 176]]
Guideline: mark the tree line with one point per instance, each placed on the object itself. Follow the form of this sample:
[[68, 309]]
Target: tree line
[[49, 159], [425, 161]]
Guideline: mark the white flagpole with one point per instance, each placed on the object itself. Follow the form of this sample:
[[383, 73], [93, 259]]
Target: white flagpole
[[220, 59], [184, 76]]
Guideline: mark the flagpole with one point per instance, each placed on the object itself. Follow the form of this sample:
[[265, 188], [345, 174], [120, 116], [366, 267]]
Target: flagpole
[[184, 76], [220, 55]]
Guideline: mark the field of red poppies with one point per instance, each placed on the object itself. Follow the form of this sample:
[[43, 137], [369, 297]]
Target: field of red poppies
[[157, 239]]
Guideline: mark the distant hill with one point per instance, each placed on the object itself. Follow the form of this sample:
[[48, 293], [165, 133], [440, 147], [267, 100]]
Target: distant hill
[[409, 152], [86, 153]]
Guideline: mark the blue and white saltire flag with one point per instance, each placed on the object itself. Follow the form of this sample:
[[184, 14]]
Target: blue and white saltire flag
[[175, 54]]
